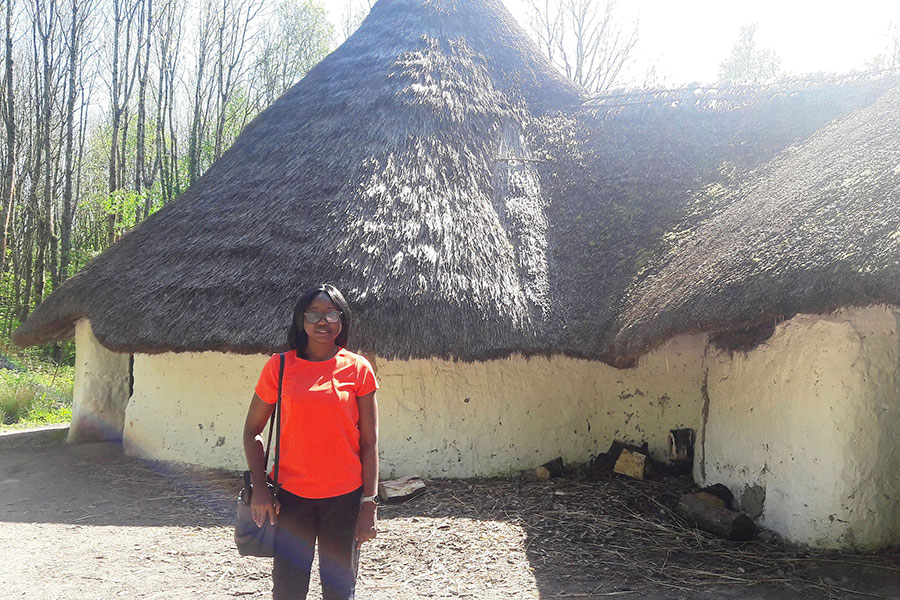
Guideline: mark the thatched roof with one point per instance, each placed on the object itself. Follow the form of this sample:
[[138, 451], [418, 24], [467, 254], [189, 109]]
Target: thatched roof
[[637, 162], [386, 171], [467, 198], [814, 229]]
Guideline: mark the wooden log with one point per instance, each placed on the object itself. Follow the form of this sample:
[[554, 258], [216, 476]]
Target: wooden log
[[394, 491], [729, 524], [632, 464], [711, 499], [681, 445], [606, 461], [720, 491], [554, 468]]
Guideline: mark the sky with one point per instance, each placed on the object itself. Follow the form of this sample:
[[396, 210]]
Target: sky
[[686, 41]]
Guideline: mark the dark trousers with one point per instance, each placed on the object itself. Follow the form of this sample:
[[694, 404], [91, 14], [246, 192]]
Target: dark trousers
[[302, 521]]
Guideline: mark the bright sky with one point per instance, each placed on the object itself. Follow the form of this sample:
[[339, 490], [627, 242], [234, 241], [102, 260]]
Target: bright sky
[[687, 40]]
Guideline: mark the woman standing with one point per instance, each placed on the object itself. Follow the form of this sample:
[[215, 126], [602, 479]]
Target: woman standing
[[328, 464]]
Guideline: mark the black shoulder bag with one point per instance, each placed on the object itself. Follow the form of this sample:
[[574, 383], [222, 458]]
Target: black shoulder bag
[[250, 539]]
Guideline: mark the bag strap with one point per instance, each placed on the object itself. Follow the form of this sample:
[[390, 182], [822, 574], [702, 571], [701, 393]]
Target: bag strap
[[275, 423], [278, 423]]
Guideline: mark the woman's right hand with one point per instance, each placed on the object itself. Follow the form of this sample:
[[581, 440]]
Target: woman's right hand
[[263, 506]]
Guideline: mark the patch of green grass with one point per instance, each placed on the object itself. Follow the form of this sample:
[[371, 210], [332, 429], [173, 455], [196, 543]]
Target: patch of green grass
[[33, 394]]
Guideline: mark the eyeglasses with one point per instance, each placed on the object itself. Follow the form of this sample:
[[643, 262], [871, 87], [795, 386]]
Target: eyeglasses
[[314, 316]]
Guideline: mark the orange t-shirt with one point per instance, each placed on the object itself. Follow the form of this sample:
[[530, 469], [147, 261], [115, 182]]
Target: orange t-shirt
[[319, 421]]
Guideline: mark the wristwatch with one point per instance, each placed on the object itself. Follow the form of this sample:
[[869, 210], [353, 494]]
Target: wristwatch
[[373, 499]]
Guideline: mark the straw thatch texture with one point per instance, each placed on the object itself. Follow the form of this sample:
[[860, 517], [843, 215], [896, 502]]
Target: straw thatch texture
[[627, 169], [387, 171], [815, 229], [466, 198]]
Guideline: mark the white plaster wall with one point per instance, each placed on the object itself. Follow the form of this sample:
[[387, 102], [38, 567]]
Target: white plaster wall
[[101, 389], [452, 419], [190, 407], [438, 418], [812, 416]]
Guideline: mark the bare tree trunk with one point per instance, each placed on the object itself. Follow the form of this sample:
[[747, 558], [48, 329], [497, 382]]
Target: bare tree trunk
[[174, 187], [14, 311], [144, 36], [232, 36], [43, 24], [195, 140], [28, 245], [172, 77], [169, 42], [123, 76], [112, 217], [68, 204], [584, 38], [82, 134], [159, 163], [123, 144], [27, 254], [9, 169], [158, 168], [220, 85]]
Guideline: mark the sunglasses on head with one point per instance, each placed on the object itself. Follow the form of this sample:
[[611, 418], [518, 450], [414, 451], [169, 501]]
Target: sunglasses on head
[[314, 316]]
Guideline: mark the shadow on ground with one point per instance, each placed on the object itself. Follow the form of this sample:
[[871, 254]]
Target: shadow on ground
[[42, 480], [576, 538], [613, 536]]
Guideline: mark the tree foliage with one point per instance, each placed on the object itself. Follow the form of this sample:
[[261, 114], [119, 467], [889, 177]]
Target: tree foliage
[[352, 14], [293, 41], [748, 63], [110, 108]]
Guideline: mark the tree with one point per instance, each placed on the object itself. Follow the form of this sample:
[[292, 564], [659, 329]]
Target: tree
[[145, 34], [79, 13], [890, 58], [9, 165], [352, 15], [233, 34], [748, 64], [120, 90], [45, 36], [296, 40], [95, 96], [584, 38], [202, 92], [167, 55]]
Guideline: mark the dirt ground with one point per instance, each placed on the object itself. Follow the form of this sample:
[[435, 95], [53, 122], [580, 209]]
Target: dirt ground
[[88, 522]]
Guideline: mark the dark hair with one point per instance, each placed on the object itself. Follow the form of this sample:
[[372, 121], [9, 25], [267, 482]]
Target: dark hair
[[297, 337]]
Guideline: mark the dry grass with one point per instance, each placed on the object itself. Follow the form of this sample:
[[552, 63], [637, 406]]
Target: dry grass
[[580, 539]]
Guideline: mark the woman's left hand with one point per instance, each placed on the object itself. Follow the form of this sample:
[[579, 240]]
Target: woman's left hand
[[366, 527]]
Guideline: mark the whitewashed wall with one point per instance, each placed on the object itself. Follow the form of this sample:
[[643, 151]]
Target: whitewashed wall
[[101, 391], [438, 418], [812, 417], [449, 419], [190, 407], [802, 428]]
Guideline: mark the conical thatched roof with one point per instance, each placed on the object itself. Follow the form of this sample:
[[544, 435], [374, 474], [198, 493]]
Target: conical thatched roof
[[439, 170], [385, 171], [815, 229]]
